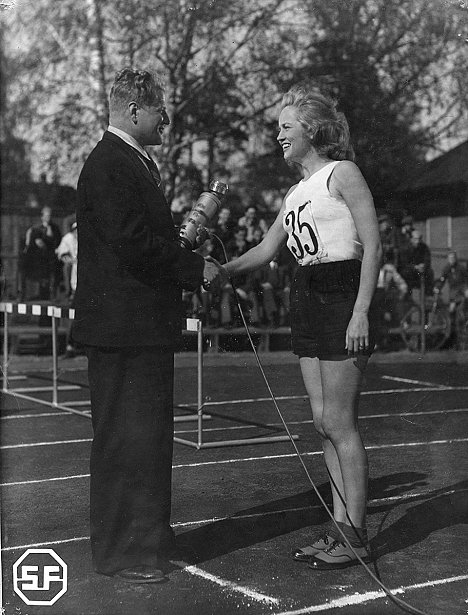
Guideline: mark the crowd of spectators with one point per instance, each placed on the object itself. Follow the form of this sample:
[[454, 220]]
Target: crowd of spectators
[[407, 278], [264, 295], [48, 273], [48, 261]]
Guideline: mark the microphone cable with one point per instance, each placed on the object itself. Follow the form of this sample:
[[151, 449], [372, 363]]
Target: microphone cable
[[405, 606]]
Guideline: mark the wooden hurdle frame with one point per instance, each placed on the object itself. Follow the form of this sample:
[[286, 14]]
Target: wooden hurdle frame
[[56, 313]]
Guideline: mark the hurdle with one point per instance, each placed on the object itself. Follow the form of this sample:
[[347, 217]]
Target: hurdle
[[56, 313]]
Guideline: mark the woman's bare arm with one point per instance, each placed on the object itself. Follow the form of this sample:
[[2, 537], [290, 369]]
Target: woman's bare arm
[[263, 253], [347, 181]]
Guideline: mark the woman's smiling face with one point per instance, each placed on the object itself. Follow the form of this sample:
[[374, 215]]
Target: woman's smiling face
[[292, 136]]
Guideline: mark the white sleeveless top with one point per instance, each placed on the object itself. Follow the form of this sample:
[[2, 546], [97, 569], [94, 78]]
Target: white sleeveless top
[[320, 227]]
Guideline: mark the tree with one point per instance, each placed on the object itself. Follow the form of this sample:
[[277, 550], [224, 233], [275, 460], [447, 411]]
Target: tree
[[385, 62], [69, 56], [397, 67]]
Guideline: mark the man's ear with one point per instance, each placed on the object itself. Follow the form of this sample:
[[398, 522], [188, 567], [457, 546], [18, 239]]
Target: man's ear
[[134, 111]]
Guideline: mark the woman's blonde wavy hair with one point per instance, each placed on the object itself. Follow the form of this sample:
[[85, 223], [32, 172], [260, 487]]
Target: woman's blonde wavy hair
[[327, 128]]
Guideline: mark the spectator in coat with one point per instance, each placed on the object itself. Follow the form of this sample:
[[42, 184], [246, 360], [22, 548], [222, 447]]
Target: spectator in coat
[[41, 266], [418, 267]]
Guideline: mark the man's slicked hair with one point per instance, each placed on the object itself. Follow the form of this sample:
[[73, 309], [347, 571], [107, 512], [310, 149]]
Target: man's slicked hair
[[141, 86]]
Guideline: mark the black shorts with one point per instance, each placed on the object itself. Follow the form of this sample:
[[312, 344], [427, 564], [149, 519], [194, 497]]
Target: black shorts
[[322, 302]]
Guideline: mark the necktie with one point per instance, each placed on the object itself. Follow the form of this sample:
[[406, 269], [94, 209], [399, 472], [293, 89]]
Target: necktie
[[153, 169]]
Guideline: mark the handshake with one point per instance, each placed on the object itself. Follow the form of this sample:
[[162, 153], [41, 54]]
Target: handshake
[[214, 275]]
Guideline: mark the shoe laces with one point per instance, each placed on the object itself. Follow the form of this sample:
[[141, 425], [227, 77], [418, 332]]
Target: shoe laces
[[324, 535], [335, 545]]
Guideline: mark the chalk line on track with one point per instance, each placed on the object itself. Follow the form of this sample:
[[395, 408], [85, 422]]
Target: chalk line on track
[[65, 387], [254, 400], [355, 599], [201, 522], [228, 585], [364, 417], [372, 447], [410, 381]]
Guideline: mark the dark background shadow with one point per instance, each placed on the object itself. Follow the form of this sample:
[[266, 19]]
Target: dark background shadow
[[440, 509], [266, 521]]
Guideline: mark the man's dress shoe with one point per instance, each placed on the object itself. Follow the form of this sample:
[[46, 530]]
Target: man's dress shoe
[[140, 574]]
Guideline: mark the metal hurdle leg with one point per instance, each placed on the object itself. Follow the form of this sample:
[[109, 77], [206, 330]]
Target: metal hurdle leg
[[200, 444], [57, 313], [54, 358], [54, 312], [4, 309], [200, 382], [193, 324], [422, 307]]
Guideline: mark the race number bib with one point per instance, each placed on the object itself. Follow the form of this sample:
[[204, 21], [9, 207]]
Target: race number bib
[[303, 238]]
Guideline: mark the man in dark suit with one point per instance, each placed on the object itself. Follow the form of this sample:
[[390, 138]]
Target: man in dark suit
[[129, 315]]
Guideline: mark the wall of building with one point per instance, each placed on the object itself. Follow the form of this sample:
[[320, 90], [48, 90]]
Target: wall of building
[[442, 234]]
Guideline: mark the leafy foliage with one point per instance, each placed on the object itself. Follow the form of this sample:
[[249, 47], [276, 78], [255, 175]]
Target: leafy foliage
[[398, 69]]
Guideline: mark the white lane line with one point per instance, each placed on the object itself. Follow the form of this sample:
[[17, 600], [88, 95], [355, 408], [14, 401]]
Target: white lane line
[[237, 427], [33, 416], [235, 517], [65, 387], [44, 480], [46, 544], [254, 400], [228, 585], [313, 453], [370, 596], [409, 381], [361, 418], [246, 459], [55, 442], [11, 378]]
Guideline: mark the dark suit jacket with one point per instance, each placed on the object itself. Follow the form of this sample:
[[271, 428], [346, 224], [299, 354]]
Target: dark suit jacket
[[130, 268]]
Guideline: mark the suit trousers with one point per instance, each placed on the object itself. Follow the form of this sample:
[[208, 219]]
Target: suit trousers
[[131, 455]]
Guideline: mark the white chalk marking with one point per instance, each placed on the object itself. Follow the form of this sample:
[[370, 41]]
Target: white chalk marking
[[361, 418], [46, 544], [65, 387], [245, 459], [237, 427], [370, 596], [44, 480], [313, 453], [403, 497], [55, 442], [255, 400], [409, 381], [33, 416], [228, 585]]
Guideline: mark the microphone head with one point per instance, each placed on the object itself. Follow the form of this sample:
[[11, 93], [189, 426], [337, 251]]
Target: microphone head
[[219, 187]]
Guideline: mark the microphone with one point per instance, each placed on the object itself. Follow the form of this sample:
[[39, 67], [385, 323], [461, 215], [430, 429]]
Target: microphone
[[205, 208]]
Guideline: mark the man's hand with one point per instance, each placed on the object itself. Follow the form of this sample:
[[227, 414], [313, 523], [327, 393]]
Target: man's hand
[[203, 234], [214, 275]]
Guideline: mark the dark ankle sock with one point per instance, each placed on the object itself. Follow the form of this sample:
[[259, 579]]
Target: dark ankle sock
[[357, 536], [333, 532]]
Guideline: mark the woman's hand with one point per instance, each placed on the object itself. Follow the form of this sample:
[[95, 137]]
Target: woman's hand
[[214, 275], [357, 333]]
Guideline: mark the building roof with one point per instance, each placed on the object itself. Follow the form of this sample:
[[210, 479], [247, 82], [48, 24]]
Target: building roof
[[448, 169]]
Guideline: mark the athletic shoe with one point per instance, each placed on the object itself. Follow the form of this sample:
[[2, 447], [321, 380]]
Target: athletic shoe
[[321, 543], [338, 555]]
